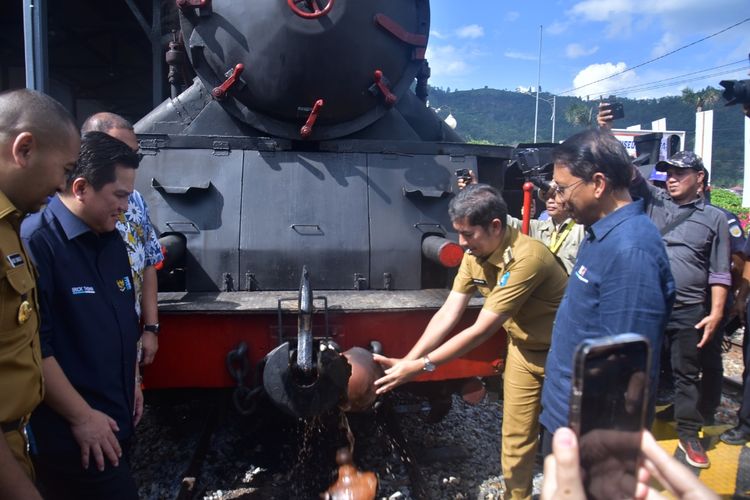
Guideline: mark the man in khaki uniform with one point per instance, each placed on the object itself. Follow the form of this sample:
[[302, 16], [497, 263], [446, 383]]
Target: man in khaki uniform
[[559, 232], [523, 284], [38, 145]]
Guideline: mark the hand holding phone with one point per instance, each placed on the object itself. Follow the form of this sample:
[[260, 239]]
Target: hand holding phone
[[607, 412], [465, 177]]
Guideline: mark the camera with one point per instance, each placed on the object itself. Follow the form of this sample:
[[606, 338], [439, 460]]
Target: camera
[[736, 91], [535, 165]]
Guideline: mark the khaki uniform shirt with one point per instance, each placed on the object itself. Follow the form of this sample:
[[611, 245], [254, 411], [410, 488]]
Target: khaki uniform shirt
[[21, 384], [544, 230], [521, 279]]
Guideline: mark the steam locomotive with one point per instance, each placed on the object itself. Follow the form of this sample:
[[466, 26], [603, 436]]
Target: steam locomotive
[[303, 142]]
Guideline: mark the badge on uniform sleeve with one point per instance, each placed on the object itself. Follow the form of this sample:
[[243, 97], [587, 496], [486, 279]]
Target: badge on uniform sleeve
[[504, 279], [14, 259], [24, 312], [735, 230]]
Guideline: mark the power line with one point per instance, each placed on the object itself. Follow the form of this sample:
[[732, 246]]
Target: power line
[[679, 82], [676, 80], [657, 58]]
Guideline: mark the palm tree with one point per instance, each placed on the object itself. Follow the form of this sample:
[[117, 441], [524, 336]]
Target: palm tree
[[579, 115]]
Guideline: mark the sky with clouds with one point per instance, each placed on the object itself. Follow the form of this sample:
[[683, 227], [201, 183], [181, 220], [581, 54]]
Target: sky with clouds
[[478, 43]]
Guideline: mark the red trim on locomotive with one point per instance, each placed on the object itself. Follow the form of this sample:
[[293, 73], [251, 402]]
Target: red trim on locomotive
[[193, 346]]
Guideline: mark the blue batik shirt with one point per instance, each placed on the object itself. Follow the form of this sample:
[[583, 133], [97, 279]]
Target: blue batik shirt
[[621, 283]]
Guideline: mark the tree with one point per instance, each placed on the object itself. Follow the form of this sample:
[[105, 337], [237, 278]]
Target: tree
[[702, 99], [579, 115]]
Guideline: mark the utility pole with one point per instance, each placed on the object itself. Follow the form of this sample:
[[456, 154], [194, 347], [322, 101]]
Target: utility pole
[[538, 83], [554, 116]]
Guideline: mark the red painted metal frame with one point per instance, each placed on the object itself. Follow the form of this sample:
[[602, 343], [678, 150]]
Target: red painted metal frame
[[193, 346]]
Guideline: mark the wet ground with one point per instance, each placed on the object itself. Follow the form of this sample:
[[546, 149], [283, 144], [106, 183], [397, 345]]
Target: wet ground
[[271, 456]]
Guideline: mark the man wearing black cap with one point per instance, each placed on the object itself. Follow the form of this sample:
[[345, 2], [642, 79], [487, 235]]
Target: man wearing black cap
[[696, 236]]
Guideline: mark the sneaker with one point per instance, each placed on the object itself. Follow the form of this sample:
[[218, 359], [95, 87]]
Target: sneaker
[[695, 455], [735, 436]]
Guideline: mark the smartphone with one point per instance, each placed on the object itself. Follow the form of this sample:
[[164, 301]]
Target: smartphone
[[608, 404], [617, 110], [463, 173]]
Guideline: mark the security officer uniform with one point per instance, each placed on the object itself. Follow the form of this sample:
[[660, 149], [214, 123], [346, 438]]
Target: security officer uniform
[[521, 279], [21, 383]]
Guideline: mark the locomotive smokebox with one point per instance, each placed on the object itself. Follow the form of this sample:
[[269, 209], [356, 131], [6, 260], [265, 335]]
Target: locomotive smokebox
[[269, 62], [312, 377]]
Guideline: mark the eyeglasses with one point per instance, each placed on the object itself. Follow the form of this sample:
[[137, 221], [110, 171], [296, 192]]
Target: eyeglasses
[[561, 190]]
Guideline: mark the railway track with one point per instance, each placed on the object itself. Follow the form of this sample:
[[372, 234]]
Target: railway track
[[194, 445], [207, 450]]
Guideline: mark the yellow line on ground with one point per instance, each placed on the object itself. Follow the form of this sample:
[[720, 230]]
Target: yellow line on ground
[[721, 477]]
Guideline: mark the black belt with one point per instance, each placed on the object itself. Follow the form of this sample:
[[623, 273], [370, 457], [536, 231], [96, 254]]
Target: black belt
[[13, 425]]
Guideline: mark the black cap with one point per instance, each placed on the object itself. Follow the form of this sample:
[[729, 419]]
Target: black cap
[[681, 159]]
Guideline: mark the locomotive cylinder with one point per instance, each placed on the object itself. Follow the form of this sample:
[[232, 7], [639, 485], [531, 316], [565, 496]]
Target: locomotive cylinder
[[442, 251]]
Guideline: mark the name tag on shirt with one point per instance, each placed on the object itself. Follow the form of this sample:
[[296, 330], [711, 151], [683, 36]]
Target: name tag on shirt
[[580, 272], [15, 259], [478, 282], [82, 290]]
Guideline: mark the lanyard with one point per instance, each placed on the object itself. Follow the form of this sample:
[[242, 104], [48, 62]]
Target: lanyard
[[558, 238]]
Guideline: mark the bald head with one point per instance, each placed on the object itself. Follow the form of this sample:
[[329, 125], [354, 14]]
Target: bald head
[[113, 125], [38, 145], [25, 110]]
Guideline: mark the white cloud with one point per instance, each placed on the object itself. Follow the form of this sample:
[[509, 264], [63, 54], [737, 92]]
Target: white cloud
[[667, 42], [557, 28], [512, 16], [470, 31], [510, 54], [438, 35], [447, 60], [595, 72], [576, 50], [681, 17]]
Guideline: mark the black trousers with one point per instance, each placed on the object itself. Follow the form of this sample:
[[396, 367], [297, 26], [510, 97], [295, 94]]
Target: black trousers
[[61, 477], [744, 413], [686, 367], [713, 374]]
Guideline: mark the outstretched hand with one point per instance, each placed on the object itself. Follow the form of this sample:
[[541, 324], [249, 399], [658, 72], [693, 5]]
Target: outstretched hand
[[397, 372], [463, 181]]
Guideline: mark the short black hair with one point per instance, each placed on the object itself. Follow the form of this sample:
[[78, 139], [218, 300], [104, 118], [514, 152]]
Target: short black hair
[[595, 151], [100, 154], [480, 204]]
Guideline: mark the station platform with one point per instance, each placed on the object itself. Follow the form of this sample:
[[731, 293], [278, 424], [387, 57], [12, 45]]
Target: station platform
[[729, 474]]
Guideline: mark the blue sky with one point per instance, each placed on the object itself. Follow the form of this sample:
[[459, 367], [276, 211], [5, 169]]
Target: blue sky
[[477, 43]]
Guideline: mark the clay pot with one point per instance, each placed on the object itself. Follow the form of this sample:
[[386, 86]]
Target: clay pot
[[361, 389], [352, 483]]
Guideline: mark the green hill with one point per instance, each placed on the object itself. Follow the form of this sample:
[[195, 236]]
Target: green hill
[[507, 117]]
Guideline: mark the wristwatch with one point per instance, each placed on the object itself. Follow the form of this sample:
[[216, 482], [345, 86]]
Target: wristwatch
[[152, 328], [429, 366]]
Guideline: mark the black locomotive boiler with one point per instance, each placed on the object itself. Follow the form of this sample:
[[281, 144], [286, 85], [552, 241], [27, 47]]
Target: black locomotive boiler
[[304, 140]]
